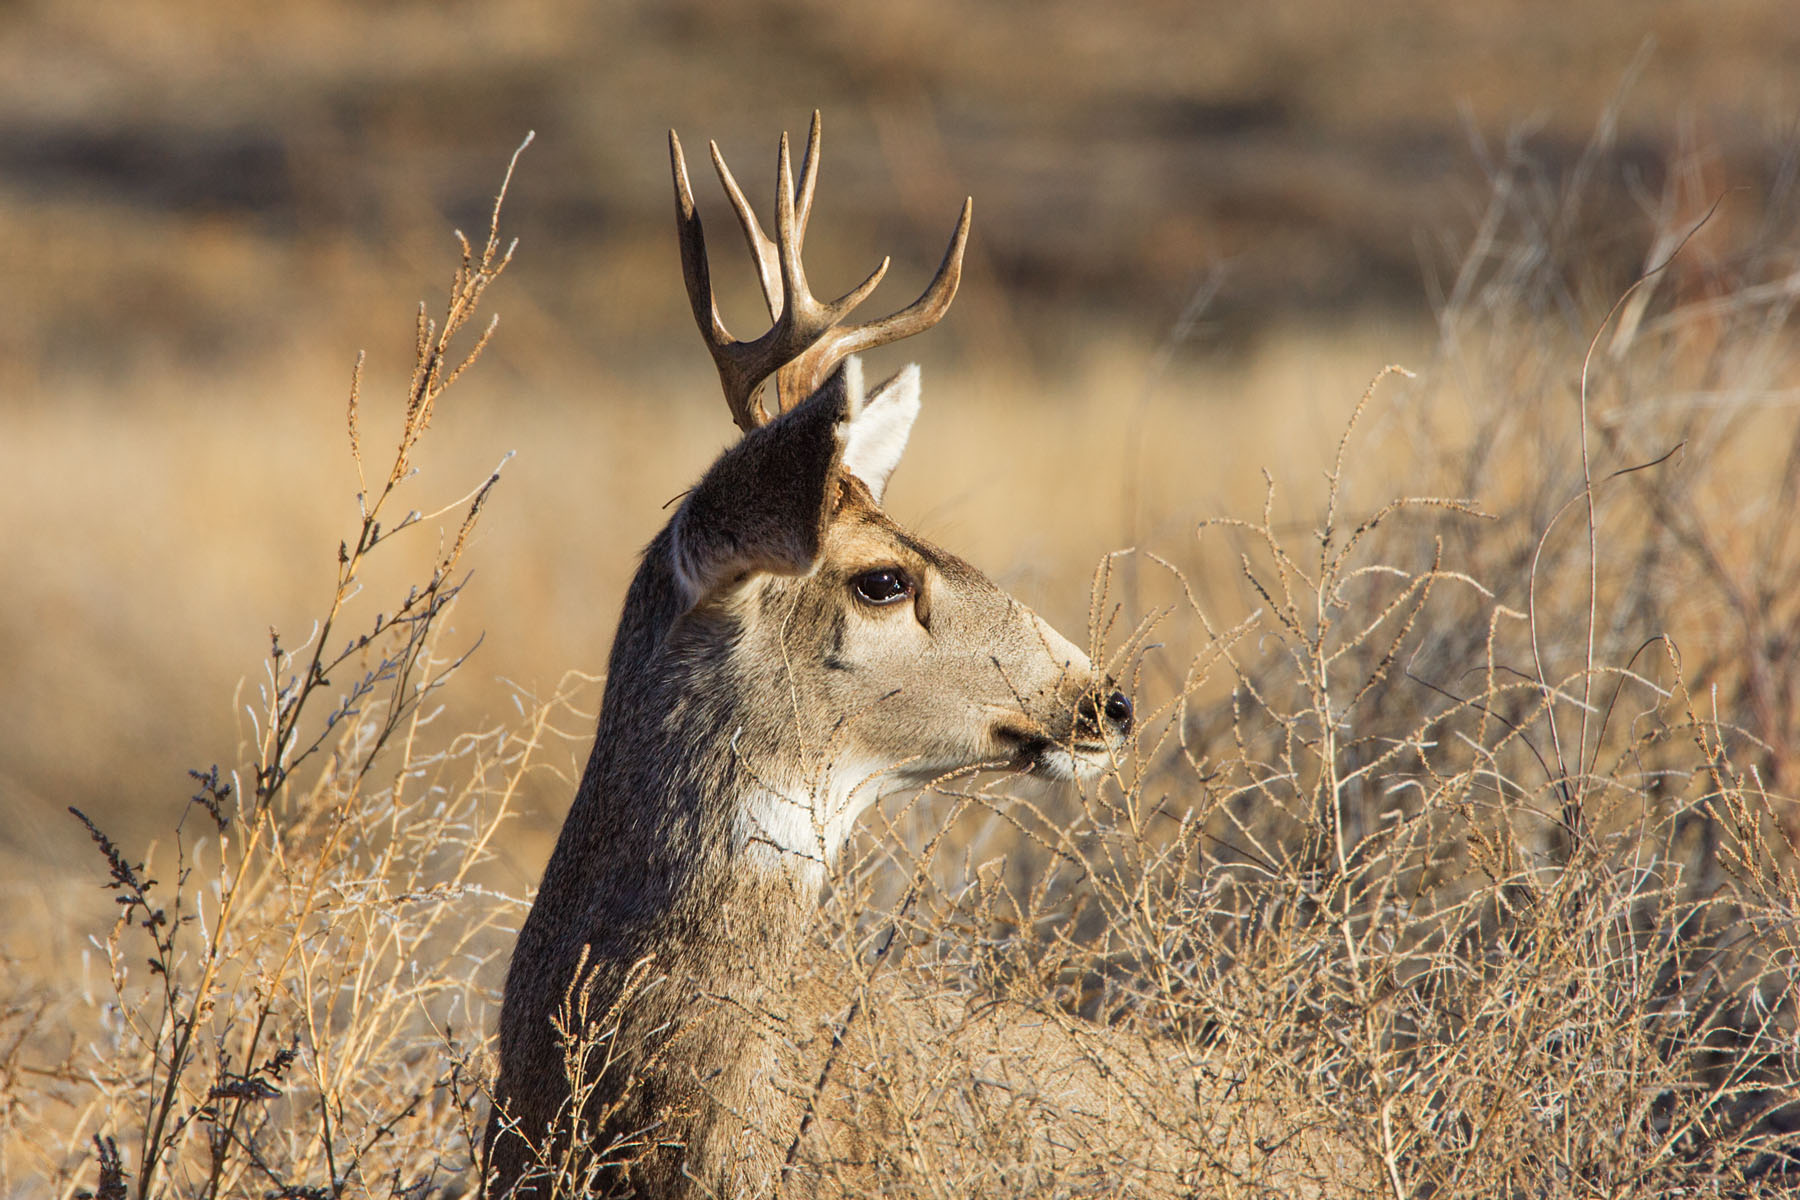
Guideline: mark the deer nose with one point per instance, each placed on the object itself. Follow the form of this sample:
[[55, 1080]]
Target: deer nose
[[1118, 711], [1115, 709]]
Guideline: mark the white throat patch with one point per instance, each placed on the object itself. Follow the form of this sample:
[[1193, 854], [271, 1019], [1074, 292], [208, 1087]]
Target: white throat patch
[[803, 829]]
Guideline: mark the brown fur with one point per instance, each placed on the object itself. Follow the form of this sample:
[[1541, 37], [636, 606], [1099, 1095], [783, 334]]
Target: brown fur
[[751, 700], [1063, 1106]]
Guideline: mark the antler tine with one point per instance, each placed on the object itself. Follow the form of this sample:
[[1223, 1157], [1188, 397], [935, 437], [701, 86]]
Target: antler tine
[[809, 177], [932, 303], [800, 378], [768, 259], [804, 320], [694, 272], [768, 263], [698, 278], [789, 235], [810, 319]]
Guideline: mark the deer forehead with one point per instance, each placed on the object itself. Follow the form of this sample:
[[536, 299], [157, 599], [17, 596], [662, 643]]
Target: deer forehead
[[860, 538]]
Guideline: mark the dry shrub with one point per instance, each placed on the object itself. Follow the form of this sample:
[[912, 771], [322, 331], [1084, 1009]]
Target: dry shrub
[[1481, 880], [290, 1006], [1456, 861]]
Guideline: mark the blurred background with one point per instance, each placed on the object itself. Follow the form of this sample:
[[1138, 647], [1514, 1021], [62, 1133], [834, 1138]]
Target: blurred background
[[1200, 229]]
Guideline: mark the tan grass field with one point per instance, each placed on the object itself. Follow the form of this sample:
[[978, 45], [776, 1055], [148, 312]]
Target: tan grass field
[[1507, 904]]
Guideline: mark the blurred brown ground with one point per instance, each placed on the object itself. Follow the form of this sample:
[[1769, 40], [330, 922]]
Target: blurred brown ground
[[205, 211]]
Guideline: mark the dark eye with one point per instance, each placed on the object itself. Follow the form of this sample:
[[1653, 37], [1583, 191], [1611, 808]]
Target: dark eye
[[884, 585]]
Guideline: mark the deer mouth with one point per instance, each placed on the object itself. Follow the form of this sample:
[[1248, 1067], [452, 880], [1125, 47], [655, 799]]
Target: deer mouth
[[1034, 752]]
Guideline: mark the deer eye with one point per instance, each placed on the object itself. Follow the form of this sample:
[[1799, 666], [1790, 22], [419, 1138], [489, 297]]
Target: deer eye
[[884, 585]]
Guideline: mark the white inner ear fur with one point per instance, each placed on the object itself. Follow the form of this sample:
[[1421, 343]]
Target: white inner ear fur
[[879, 426]]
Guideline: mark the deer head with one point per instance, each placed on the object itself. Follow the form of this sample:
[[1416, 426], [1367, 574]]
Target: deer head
[[877, 659]]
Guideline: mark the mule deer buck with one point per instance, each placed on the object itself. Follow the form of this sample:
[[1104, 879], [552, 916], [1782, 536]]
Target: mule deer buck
[[786, 655]]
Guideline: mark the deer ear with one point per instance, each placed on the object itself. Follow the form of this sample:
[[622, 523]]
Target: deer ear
[[764, 504], [878, 432]]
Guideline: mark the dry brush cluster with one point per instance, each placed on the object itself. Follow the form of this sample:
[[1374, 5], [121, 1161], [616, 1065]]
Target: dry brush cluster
[[1455, 854]]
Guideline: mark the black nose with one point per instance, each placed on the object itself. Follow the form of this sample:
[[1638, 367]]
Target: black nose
[[1118, 711]]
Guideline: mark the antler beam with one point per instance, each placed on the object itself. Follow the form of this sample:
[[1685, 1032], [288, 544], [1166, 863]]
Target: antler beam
[[807, 338]]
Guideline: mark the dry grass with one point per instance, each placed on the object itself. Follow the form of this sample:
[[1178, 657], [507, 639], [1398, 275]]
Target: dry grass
[[1458, 836]]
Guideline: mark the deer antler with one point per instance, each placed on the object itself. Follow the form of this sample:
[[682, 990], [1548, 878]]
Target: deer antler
[[807, 338]]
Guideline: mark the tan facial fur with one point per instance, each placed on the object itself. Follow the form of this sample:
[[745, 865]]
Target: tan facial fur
[[954, 675]]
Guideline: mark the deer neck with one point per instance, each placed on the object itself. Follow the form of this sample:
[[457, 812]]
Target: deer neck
[[698, 836]]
